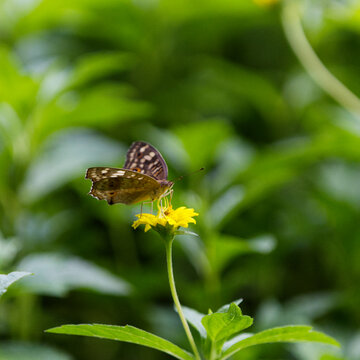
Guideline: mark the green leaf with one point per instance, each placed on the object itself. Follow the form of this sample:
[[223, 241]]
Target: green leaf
[[194, 249], [98, 65], [225, 308], [194, 317], [30, 351], [226, 248], [90, 148], [124, 333], [103, 105], [8, 250], [7, 280], [232, 158], [221, 326], [196, 137], [289, 334], [223, 207], [185, 232], [57, 274]]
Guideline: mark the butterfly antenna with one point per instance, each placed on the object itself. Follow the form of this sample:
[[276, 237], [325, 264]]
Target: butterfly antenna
[[182, 176]]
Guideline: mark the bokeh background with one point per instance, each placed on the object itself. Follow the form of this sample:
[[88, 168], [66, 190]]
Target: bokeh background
[[211, 84]]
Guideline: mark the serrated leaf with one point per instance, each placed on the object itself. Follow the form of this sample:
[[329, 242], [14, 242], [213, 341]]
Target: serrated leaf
[[57, 274], [281, 334], [7, 280], [221, 326], [124, 333]]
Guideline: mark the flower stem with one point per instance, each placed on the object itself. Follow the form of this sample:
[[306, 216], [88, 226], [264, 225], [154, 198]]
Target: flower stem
[[212, 351], [168, 246], [312, 64]]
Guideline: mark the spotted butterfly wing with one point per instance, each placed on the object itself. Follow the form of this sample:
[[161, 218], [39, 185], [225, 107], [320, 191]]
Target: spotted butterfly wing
[[144, 158], [143, 177]]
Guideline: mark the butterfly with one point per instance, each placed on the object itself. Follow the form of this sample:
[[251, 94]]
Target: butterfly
[[143, 177]]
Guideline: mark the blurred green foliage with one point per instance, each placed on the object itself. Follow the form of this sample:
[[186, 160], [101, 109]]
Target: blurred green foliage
[[210, 83]]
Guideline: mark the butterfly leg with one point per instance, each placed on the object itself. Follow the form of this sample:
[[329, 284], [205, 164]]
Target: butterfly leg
[[160, 206], [171, 194], [148, 202]]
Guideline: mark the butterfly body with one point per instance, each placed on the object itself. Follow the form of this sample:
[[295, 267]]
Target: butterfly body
[[143, 177]]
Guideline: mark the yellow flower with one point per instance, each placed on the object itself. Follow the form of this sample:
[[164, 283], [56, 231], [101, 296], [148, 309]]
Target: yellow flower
[[167, 218]]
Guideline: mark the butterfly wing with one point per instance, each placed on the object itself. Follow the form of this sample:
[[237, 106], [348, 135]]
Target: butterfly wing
[[121, 185], [145, 159]]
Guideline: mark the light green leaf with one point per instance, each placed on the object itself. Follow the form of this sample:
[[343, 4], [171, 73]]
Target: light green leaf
[[194, 317], [340, 180], [225, 308], [281, 334], [7, 280], [316, 351], [103, 105], [97, 65], [233, 157], [236, 339], [27, 351], [221, 326], [185, 232], [8, 250], [223, 207], [226, 248], [57, 154], [124, 333], [57, 274], [194, 249], [196, 137]]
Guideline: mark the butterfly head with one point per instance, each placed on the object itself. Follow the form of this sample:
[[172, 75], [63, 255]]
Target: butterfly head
[[166, 183], [164, 189]]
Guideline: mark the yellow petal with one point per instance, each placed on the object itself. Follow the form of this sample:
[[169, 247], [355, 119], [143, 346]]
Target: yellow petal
[[181, 216]]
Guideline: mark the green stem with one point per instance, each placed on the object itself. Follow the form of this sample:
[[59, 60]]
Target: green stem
[[312, 64], [212, 351], [168, 246]]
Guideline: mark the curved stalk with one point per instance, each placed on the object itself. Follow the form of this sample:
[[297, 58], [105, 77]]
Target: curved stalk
[[310, 61], [168, 245]]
